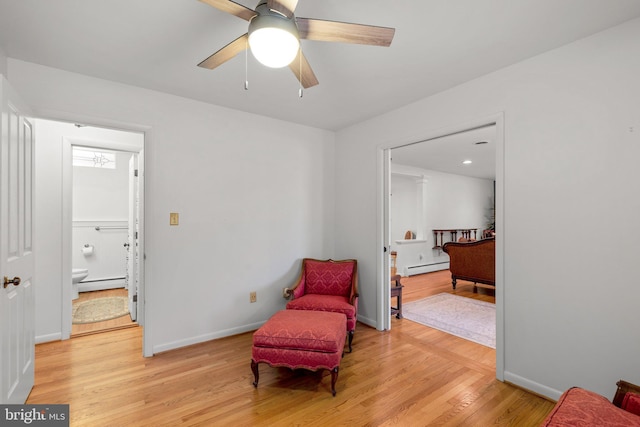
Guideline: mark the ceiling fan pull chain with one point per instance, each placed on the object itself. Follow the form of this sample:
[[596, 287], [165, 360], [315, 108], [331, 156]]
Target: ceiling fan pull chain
[[300, 70], [246, 65]]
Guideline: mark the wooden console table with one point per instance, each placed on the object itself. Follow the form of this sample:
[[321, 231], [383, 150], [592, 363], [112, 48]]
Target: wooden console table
[[439, 233], [396, 291]]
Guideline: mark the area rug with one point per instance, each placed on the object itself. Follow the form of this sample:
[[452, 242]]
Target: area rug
[[100, 309], [466, 318]]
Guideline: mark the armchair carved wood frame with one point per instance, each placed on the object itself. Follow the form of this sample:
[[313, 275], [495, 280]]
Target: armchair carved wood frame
[[327, 285]]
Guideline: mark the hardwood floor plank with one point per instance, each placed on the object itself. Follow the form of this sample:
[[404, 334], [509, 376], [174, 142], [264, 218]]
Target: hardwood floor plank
[[411, 375]]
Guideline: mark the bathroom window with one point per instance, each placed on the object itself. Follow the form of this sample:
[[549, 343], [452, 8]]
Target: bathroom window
[[94, 158]]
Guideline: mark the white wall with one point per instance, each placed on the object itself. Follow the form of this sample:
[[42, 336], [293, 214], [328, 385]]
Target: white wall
[[254, 195], [402, 206], [105, 257], [453, 201], [102, 194], [3, 63], [572, 140]]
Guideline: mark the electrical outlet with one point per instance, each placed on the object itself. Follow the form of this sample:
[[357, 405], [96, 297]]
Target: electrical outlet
[[253, 296]]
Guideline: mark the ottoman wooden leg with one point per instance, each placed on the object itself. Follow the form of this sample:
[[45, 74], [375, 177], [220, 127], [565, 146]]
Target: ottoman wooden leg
[[256, 374], [334, 378]]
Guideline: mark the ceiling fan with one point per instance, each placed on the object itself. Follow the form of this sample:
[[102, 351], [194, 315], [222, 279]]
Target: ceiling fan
[[274, 36]]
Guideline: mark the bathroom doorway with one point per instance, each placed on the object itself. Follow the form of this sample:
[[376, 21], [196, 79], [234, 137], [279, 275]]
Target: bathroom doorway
[[105, 179], [105, 205], [93, 231]]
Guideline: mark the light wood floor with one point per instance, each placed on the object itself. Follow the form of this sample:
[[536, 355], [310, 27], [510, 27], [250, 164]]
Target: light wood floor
[[409, 376], [424, 285], [107, 325]]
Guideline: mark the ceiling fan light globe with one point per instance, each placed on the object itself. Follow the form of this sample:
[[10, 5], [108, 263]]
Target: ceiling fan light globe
[[273, 47]]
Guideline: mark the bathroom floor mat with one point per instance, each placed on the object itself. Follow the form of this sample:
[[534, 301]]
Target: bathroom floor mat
[[100, 309]]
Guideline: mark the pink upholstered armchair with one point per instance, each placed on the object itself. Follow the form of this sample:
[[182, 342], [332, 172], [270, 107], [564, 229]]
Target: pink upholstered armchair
[[327, 285]]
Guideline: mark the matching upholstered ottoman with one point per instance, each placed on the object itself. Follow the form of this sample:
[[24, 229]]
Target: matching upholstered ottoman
[[301, 339]]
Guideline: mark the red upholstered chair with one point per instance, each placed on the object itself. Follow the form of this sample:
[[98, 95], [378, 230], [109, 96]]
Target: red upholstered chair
[[580, 407], [327, 285]]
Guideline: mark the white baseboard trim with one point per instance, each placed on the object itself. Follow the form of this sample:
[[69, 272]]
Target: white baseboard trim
[[39, 339], [533, 386], [367, 321], [426, 268], [206, 337], [227, 333]]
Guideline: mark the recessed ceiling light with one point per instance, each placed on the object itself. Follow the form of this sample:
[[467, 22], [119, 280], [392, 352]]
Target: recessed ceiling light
[[467, 162]]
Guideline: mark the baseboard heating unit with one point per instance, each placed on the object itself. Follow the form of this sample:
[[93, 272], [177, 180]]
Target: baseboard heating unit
[[101, 284], [426, 268]]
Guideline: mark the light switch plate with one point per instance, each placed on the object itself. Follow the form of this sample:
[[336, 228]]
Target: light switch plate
[[173, 218]]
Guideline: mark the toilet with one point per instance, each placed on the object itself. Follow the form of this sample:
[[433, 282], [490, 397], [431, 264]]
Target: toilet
[[77, 276]]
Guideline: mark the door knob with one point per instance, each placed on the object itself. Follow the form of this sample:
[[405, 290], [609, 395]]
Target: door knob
[[15, 281]]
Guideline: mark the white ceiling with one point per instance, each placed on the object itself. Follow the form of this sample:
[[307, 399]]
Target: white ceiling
[[438, 44], [446, 154]]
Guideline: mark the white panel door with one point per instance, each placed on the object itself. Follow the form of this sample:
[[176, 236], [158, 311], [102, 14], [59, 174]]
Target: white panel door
[[17, 310], [132, 277]]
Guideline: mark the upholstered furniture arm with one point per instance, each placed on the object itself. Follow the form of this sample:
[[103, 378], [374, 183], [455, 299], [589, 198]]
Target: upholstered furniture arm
[[624, 387], [297, 290], [353, 298]]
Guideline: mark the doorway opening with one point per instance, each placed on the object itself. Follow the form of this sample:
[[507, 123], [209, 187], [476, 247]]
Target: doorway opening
[[103, 171], [104, 239], [414, 173], [101, 224]]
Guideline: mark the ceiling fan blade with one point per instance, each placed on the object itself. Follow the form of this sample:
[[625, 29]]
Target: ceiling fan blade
[[301, 68], [226, 53], [344, 32], [232, 7], [286, 7]]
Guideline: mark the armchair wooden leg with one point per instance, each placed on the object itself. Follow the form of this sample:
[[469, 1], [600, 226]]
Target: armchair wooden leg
[[256, 374], [350, 340], [453, 282]]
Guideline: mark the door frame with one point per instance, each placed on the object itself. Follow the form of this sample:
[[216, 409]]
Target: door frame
[[383, 238], [145, 291]]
